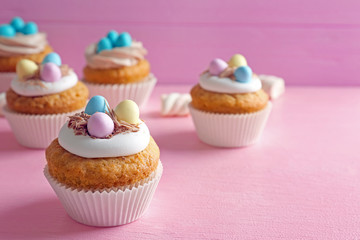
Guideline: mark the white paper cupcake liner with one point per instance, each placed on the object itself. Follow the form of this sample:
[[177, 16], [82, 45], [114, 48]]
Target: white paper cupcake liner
[[36, 131], [107, 208], [230, 130], [5, 80], [114, 93]]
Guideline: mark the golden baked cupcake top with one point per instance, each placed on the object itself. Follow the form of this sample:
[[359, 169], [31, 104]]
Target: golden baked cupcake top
[[102, 147], [229, 87]]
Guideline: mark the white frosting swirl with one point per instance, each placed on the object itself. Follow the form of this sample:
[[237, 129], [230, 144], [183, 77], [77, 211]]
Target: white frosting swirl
[[227, 85], [122, 144], [116, 57], [22, 44], [31, 88]]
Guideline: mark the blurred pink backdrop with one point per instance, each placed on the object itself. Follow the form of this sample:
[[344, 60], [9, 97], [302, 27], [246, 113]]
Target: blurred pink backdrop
[[306, 42]]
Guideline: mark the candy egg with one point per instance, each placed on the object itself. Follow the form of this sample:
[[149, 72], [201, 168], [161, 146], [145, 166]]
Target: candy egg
[[112, 36], [7, 30], [96, 104], [243, 74], [50, 72], [26, 68], [123, 40], [217, 66], [128, 111], [103, 44], [29, 28], [237, 60], [52, 57], [100, 125], [17, 23]]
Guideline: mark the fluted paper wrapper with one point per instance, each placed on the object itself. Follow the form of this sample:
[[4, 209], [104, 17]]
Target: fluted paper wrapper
[[107, 208], [36, 131], [5, 80], [114, 93], [230, 130]]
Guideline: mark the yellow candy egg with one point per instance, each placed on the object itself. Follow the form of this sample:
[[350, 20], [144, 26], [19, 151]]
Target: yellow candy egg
[[128, 111], [26, 68], [237, 60]]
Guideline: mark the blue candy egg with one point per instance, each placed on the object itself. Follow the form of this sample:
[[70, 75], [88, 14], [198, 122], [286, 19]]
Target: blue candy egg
[[112, 36], [17, 23], [243, 74], [103, 44], [123, 40], [53, 58], [96, 104], [29, 28], [7, 30]]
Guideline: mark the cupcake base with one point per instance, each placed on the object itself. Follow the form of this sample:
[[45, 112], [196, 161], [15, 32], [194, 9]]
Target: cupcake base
[[139, 92], [36, 131], [112, 207], [5, 80], [230, 130]]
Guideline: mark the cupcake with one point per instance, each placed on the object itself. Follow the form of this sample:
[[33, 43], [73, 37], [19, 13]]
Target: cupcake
[[104, 166], [40, 98], [117, 69], [229, 108], [19, 40]]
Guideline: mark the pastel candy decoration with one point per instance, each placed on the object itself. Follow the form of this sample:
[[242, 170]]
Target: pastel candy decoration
[[7, 31], [175, 104], [29, 28], [50, 72], [237, 60], [112, 36], [26, 68], [217, 66], [243, 74], [96, 104], [53, 58], [123, 40], [100, 125], [128, 111], [103, 44], [17, 23]]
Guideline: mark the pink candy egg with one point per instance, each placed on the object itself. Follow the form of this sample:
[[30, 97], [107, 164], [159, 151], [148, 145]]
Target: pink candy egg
[[50, 72], [217, 66], [100, 125]]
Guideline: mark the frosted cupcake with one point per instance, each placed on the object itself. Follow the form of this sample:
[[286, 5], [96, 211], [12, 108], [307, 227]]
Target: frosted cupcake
[[104, 166], [40, 98], [117, 69], [228, 107], [19, 40]]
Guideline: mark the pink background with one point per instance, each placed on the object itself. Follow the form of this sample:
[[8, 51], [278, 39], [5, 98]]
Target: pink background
[[301, 181], [306, 42]]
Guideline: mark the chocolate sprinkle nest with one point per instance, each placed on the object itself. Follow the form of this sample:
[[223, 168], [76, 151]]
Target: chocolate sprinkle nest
[[227, 73], [79, 121], [36, 79]]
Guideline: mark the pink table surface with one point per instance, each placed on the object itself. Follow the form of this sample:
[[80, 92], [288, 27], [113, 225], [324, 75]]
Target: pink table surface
[[301, 181]]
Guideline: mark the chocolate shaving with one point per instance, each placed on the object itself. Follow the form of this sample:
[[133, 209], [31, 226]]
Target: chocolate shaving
[[78, 122], [121, 126], [65, 70], [228, 73]]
